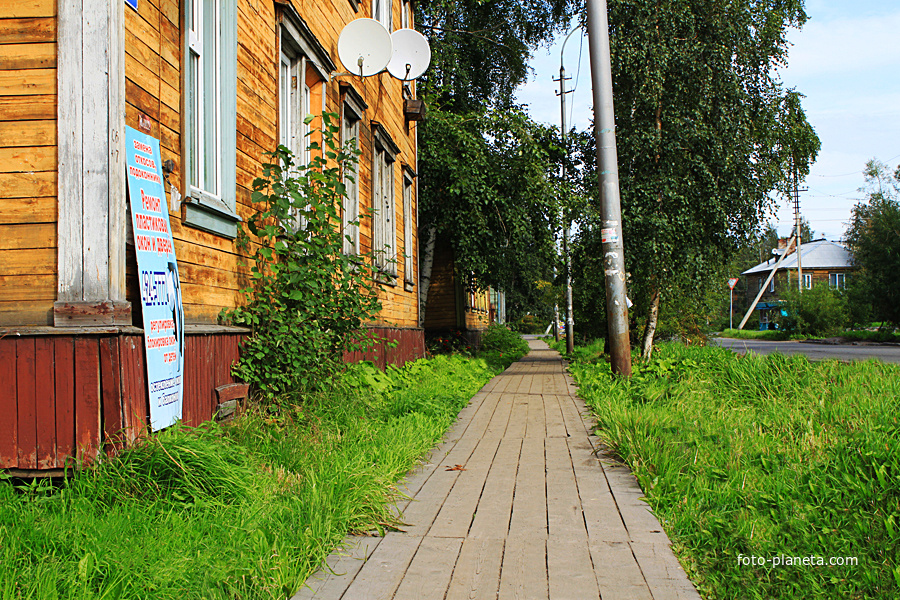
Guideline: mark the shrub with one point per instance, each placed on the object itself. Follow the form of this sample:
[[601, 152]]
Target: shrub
[[820, 311], [308, 298]]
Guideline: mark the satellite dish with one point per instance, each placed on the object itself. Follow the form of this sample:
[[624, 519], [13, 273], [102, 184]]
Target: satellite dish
[[364, 47], [412, 54]]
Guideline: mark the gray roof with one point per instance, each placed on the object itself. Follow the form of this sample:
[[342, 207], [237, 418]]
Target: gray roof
[[818, 254]]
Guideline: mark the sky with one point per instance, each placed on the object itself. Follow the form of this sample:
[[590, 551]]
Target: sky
[[845, 60]]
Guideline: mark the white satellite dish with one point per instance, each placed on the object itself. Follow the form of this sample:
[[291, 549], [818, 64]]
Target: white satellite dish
[[412, 54], [365, 47]]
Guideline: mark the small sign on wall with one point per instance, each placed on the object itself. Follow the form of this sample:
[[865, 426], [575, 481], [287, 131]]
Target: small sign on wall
[[132, 3], [158, 279]]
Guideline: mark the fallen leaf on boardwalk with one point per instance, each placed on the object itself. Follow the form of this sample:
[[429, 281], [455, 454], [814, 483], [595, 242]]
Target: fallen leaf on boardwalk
[[456, 468]]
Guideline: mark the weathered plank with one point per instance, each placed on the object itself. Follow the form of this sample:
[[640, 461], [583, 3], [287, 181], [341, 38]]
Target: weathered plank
[[491, 519], [45, 402], [9, 421], [383, 571], [428, 575], [26, 396], [524, 572], [477, 572], [27, 82], [618, 574], [529, 511], [28, 56], [570, 572], [28, 262], [64, 392], [340, 570], [28, 108], [27, 30], [18, 160], [87, 397], [28, 185], [27, 287], [39, 235], [17, 134], [27, 8]]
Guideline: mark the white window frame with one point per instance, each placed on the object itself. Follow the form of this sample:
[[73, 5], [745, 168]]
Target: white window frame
[[807, 281], [772, 285], [202, 125], [350, 215], [381, 12], [406, 21], [409, 263], [837, 280], [384, 227]]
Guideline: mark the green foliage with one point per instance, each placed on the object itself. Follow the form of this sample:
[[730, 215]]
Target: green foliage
[[485, 188], [307, 299], [754, 334], [529, 324], [874, 239], [817, 312], [480, 50], [247, 510], [705, 134], [763, 456], [501, 347]]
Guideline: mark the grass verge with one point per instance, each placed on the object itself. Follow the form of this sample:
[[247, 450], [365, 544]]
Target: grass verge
[[247, 510], [747, 334], [749, 456]]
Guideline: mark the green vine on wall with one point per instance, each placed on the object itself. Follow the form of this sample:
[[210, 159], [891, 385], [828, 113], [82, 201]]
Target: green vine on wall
[[308, 299]]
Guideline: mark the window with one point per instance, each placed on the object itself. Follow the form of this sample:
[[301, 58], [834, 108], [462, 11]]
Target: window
[[304, 66], [353, 109], [384, 228], [772, 285], [381, 12], [409, 267], [204, 89], [406, 21], [210, 83], [837, 280], [807, 281]]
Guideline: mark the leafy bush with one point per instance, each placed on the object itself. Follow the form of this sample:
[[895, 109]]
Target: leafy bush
[[529, 324], [817, 312], [501, 347], [308, 298]]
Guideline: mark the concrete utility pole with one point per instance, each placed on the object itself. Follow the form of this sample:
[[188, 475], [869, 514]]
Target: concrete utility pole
[[570, 321], [608, 174]]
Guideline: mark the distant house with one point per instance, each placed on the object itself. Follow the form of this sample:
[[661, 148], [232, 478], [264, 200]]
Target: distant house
[[821, 262], [453, 305]]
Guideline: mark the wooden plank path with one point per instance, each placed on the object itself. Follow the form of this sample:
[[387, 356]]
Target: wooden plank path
[[534, 514]]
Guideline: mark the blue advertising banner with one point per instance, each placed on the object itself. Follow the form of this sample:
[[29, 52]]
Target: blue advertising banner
[[158, 279]]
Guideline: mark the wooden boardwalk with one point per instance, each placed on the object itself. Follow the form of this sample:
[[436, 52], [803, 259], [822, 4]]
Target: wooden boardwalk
[[528, 511]]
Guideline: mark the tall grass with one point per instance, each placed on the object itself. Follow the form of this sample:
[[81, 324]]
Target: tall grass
[[763, 457], [247, 510]]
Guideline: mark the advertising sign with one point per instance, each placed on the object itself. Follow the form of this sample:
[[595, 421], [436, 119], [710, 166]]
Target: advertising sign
[[158, 279]]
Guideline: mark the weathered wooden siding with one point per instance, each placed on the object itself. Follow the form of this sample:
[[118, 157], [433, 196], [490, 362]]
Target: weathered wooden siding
[[441, 311], [393, 346], [27, 162], [61, 396]]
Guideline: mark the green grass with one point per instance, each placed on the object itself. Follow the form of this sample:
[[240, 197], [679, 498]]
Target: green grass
[[763, 456], [753, 334], [247, 510]]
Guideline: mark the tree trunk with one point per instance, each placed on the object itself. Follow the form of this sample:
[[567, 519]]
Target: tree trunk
[[427, 263], [652, 320]]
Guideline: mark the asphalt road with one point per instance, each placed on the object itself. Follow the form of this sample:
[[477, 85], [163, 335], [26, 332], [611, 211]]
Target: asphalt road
[[889, 354]]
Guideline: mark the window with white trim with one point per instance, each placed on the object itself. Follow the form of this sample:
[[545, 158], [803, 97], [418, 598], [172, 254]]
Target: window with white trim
[[772, 285], [408, 255], [210, 121], [406, 21], [384, 233], [204, 89], [293, 103], [350, 214], [381, 12], [837, 280], [807, 281]]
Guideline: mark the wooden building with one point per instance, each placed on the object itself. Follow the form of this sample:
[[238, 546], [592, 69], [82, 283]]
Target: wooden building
[[822, 263], [452, 304], [219, 83]]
